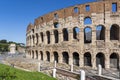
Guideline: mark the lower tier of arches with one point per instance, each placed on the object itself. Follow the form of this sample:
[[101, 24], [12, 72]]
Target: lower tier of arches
[[107, 60]]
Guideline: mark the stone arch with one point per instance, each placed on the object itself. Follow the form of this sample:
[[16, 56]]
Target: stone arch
[[87, 35], [56, 25], [76, 10], [87, 20], [56, 16], [114, 60], [87, 59], [100, 59], [48, 37], [100, 32], [32, 54], [36, 54], [48, 56], [114, 32], [55, 56], [42, 37], [65, 57], [76, 59], [76, 31], [56, 35], [65, 34], [41, 53]]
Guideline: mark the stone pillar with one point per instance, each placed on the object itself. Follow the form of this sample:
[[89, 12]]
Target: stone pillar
[[39, 39], [52, 38], [39, 56], [94, 35], [81, 35], [81, 60], [82, 75], [60, 57], [107, 61], [93, 61], [99, 70], [12, 48], [70, 31], [51, 57], [70, 59], [60, 36], [45, 38], [107, 33], [31, 41], [44, 56]]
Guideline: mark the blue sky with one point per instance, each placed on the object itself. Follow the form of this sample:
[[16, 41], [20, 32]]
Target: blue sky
[[15, 15]]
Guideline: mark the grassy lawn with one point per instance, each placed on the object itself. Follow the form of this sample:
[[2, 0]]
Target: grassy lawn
[[17, 74]]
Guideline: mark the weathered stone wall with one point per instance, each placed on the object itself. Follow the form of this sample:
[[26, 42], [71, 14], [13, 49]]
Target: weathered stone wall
[[43, 47]]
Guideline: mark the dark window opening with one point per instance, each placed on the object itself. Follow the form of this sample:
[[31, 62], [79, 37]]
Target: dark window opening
[[48, 56], [114, 32], [65, 34], [76, 59], [100, 59], [48, 37], [76, 31], [56, 16], [114, 61], [87, 7], [87, 59], [114, 7], [100, 33], [87, 35], [55, 56], [87, 21], [56, 25], [56, 35], [41, 53], [41, 34], [76, 10], [65, 57]]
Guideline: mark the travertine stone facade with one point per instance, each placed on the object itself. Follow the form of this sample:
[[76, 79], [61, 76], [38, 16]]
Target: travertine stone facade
[[83, 35]]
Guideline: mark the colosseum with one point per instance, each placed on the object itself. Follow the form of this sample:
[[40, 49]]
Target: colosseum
[[83, 35]]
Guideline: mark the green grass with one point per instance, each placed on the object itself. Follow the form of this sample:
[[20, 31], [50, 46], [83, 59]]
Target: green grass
[[21, 75]]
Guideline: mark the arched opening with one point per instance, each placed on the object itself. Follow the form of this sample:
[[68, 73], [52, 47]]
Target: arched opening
[[36, 54], [76, 31], [56, 35], [32, 54], [55, 56], [56, 16], [41, 53], [48, 56], [41, 34], [100, 59], [87, 35], [65, 57], [76, 10], [87, 21], [65, 34], [48, 37], [100, 32], [37, 37], [114, 61], [56, 25], [76, 59], [87, 59], [114, 32]]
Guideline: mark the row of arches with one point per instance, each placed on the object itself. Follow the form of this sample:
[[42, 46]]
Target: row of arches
[[100, 34], [87, 58]]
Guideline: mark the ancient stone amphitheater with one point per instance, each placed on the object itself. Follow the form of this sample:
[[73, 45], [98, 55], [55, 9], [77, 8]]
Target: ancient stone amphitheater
[[84, 35]]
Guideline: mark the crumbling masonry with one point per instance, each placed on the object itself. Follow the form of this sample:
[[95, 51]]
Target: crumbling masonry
[[82, 35]]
